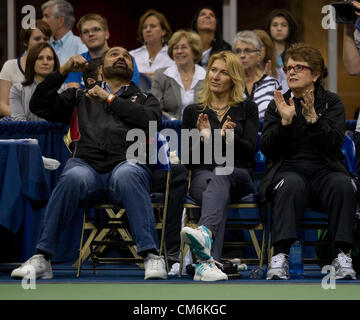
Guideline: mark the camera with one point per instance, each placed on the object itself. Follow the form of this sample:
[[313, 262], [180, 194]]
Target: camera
[[345, 12]]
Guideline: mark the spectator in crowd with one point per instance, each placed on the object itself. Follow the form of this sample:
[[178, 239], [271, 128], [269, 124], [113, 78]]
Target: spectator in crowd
[[40, 62], [351, 59], [259, 87], [13, 70], [92, 73], [206, 24], [283, 29], [222, 106], [302, 138], [99, 169], [94, 33], [59, 14], [176, 87], [154, 32], [268, 61]]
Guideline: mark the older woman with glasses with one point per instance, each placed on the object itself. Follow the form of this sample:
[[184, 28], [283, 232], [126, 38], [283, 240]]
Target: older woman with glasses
[[176, 87], [260, 86], [302, 138]]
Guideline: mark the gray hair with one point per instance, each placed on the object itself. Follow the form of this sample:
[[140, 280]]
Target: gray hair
[[61, 8], [249, 37]]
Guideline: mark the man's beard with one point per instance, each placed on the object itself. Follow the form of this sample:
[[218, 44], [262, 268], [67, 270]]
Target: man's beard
[[122, 72]]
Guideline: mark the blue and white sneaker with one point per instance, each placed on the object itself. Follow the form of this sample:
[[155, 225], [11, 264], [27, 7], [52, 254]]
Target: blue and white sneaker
[[199, 241], [208, 271]]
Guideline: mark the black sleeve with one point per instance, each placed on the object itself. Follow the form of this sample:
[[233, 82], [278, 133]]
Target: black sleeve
[[46, 103], [137, 113], [246, 143], [327, 134], [276, 139]]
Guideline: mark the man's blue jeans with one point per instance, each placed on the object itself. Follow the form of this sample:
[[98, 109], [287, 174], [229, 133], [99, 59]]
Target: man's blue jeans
[[128, 184]]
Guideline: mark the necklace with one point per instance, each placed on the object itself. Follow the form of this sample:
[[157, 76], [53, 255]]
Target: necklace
[[220, 111]]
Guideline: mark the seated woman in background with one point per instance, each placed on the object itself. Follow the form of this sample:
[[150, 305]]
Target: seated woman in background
[[222, 106], [283, 30], [268, 61], [13, 70], [176, 87], [154, 32], [259, 87], [41, 61], [205, 23]]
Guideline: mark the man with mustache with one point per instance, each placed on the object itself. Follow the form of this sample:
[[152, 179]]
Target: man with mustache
[[99, 169]]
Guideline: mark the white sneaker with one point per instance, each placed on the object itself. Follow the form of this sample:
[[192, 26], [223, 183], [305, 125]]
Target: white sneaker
[[343, 267], [199, 241], [279, 267], [154, 267], [174, 271], [37, 264], [208, 271]]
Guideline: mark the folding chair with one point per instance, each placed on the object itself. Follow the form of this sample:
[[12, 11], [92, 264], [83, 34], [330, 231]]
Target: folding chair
[[240, 219], [104, 227]]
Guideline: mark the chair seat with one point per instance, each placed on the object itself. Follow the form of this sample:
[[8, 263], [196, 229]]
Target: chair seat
[[250, 198], [157, 197]]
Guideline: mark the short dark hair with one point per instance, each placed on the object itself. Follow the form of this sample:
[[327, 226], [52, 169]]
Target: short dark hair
[[307, 53], [31, 59], [293, 35], [25, 34], [92, 70]]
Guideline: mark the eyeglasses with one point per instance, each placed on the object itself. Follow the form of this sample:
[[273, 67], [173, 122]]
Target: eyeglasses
[[180, 48], [246, 51], [297, 68], [92, 30]]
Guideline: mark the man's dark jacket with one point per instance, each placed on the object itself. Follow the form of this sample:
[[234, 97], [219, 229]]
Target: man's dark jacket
[[102, 126]]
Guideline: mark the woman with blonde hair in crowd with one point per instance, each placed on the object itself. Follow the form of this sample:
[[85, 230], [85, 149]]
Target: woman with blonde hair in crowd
[[259, 87], [154, 32], [176, 87], [222, 109], [13, 70]]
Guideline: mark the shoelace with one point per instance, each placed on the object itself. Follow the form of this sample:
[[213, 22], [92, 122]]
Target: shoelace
[[344, 259], [277, 260], [155, 262], [213, 261]]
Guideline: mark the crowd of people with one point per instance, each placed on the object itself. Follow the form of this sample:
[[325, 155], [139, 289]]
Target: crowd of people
[[211, 86]]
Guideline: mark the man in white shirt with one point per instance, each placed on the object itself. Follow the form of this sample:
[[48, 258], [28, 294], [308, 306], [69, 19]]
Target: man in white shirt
[[59, 14]]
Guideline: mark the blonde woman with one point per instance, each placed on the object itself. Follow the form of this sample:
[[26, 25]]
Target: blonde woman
[[221, 106], [176, 87]]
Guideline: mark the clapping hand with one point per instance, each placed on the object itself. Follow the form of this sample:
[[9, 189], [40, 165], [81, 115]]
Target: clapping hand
[[308, 109], [228, 124], [286, 111], [203, 122]]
